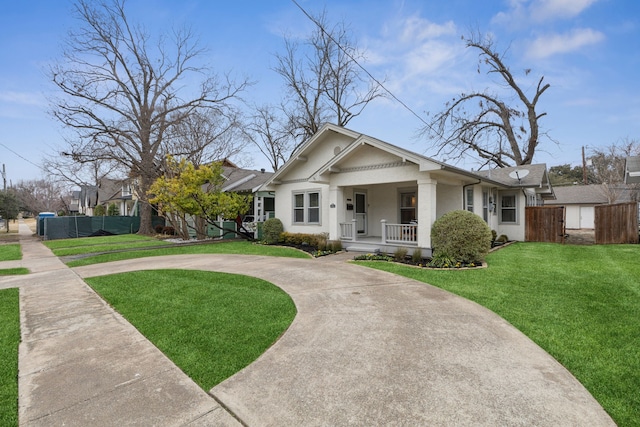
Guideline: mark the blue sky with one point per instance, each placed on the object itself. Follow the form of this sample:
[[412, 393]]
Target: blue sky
[[588, 50]]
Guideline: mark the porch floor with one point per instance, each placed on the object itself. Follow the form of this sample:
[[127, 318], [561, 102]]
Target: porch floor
[[371, 244]]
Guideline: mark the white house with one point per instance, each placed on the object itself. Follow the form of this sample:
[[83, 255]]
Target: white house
[[374, 195], [579, 202]]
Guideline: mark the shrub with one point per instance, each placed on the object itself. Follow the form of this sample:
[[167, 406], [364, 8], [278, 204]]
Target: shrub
[[462, 236], [335, 246], [315, 240], [372, 257], [271, 230], [99, 210], [442, 261], [113, 210], [502, 238], [416, 256], [169, 231], [158, 228], [400, 254]]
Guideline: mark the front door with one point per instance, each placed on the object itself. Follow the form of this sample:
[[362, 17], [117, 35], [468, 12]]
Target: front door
[[361, 213]]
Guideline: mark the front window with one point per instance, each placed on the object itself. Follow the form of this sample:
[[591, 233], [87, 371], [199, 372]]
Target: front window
[[470, 199], [306, 207], [508, 208], [485, 206], [407, 207], [298, 207]]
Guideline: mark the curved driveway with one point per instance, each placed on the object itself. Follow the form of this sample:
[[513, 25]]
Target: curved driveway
[[372, 348]]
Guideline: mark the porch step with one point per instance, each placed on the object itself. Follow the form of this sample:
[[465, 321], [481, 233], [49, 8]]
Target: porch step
[[361, 248]]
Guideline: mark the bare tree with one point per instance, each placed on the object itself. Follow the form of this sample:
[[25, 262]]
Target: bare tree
[[122, 92], [323, 79], [267, 132], [62, 166], [42, 196], [486, 124], [206, 136], [607, 166]]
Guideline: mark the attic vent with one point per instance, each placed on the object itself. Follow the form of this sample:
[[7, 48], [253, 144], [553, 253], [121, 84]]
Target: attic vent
[[337, 150]]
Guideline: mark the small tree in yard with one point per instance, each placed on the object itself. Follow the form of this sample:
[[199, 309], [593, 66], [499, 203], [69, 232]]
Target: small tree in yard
[[460, 236], [197, 192], [99, 211], [113, 210]]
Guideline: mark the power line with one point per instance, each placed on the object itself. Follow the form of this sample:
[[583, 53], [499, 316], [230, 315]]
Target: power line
[[23, 158], [319, 25]]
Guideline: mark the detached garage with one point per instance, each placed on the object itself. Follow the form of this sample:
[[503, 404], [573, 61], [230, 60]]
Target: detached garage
[[579, 202]]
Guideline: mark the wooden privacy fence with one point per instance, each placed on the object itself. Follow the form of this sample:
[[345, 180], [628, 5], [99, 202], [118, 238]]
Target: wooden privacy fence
[[616, 223], [544, 224]]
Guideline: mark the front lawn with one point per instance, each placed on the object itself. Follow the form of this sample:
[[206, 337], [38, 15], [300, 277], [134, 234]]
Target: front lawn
[[10, 252], [240, 247], [66, 247], [579, 303], [9, 341], [209, 324]]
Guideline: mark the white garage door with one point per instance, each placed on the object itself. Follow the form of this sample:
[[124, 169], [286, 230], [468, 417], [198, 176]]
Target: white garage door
[[587, 217]]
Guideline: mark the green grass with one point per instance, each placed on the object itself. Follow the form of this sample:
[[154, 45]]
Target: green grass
[[11, 252], [230, 247], [209, 324], [9, 341], [13, 271], [102, 240], [579, 303], [66, 247]]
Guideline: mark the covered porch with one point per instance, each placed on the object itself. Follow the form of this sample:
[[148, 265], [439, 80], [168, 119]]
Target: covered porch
[[391, 237]]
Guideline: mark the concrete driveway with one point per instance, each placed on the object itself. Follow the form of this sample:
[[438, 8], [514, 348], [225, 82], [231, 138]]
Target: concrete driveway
[[366, 348]]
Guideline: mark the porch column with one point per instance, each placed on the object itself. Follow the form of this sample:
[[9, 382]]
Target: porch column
[[426, 210], [336, 211]]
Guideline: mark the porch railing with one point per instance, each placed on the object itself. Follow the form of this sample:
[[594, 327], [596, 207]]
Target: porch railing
[[399, 233], [391, 233], [347, 230]]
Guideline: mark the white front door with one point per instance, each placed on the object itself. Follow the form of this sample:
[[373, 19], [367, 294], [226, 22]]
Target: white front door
[[361, 212]]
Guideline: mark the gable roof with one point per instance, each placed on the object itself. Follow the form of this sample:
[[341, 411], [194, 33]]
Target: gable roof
[[524, 176], [580, 195], [243, 180], [537, 177], [632, 170]]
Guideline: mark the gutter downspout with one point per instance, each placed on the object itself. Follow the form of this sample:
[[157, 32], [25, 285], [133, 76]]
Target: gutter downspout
[[464, 193]]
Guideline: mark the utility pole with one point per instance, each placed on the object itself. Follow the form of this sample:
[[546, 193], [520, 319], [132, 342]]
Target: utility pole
[[584, 167]]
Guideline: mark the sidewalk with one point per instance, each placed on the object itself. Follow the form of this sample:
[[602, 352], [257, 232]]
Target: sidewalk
[[366, 348], [82, 364]]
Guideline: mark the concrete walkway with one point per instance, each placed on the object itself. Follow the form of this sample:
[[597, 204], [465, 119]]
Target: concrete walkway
[[366, 348]]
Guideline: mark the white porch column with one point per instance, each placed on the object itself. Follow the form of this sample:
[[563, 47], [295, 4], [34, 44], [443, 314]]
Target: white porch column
[[426, 210], [336, 211], [383, 224]]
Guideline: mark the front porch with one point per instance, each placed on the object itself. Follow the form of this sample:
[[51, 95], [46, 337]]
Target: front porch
[[392, 237]]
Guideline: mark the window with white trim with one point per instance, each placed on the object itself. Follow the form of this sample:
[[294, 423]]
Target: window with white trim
[[508, 208], [306, 207], [469, 199]]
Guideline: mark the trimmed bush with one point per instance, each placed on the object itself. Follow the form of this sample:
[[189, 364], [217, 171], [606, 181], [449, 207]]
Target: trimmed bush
[[271, 230], [461, 236]]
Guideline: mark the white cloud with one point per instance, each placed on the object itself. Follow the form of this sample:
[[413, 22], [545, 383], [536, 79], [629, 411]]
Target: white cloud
[[22, 98], [553, 44], [523, 12], [543, 10]]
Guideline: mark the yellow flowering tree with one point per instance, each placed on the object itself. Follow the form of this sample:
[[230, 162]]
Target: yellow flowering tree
[[186, 190]]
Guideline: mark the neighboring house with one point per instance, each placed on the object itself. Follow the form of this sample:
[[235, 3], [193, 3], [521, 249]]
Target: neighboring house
[[248, 182], [579, 202], [120, 192], [374, 195], [632, 170], [108, 191]]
